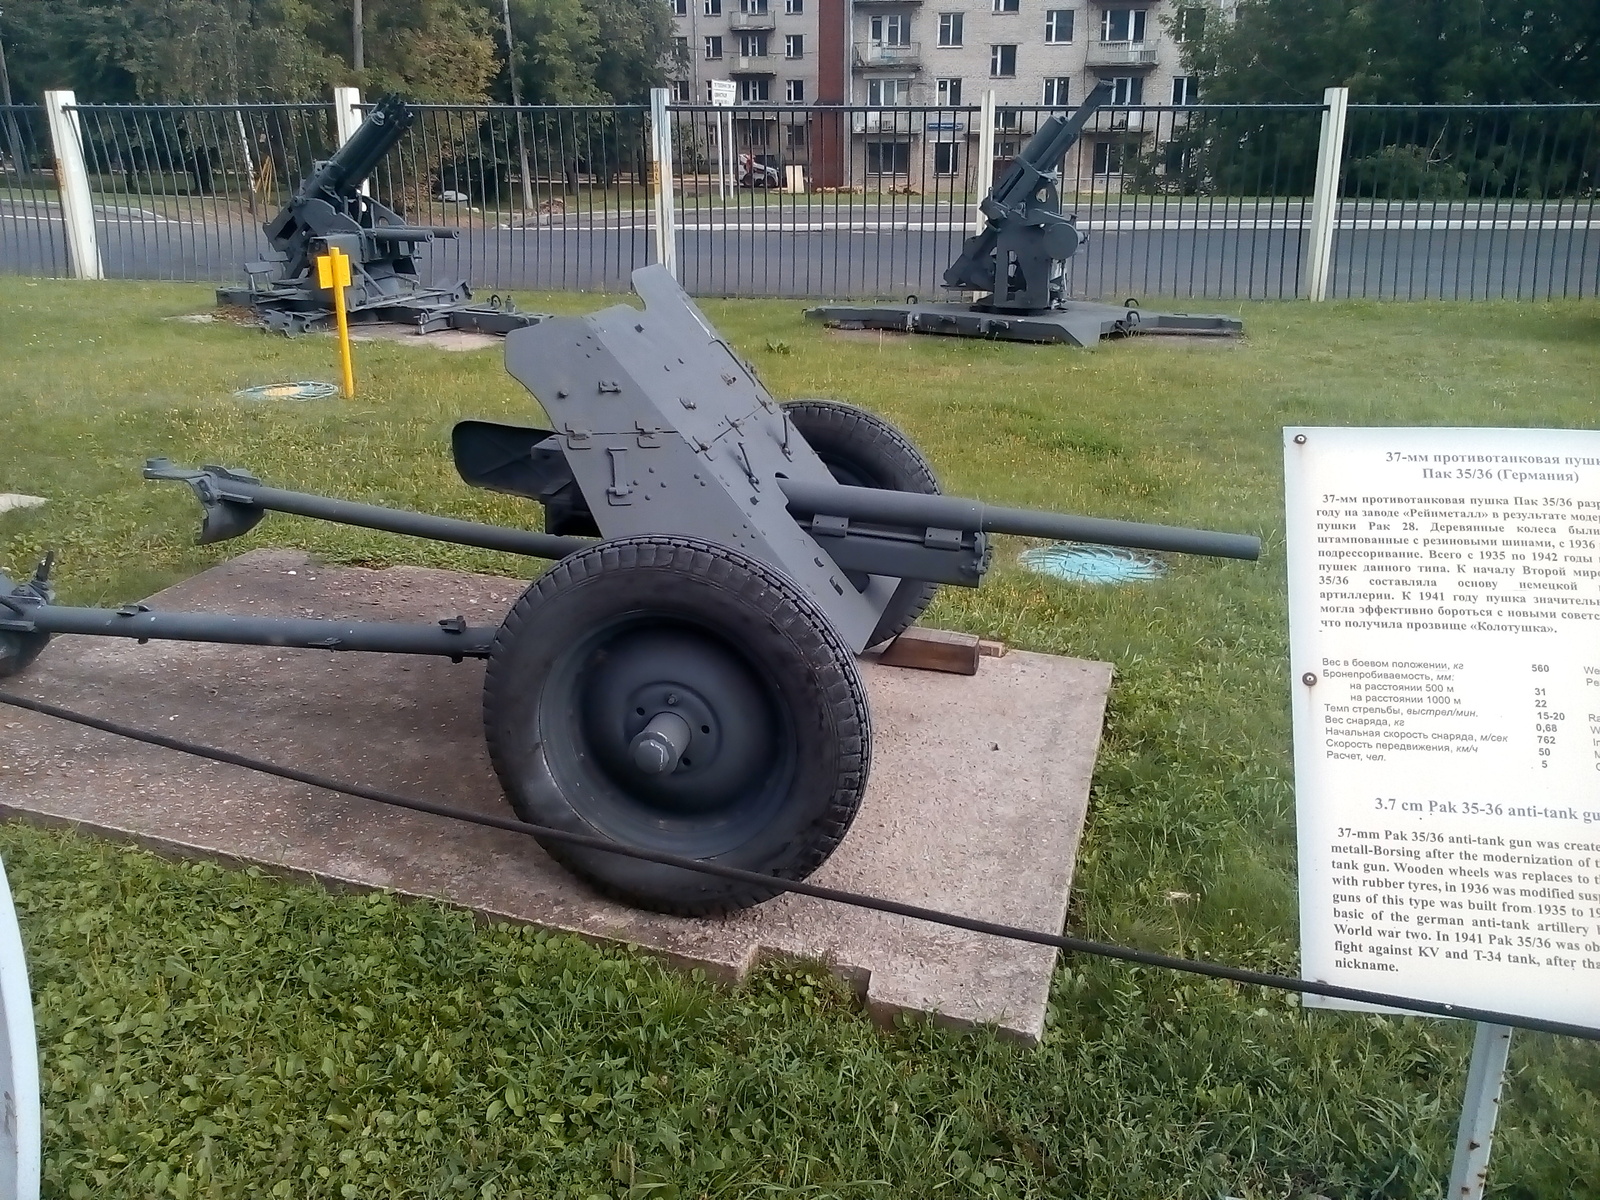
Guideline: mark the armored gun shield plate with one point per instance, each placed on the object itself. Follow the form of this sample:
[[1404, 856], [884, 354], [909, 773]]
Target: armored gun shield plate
[[678, 696]]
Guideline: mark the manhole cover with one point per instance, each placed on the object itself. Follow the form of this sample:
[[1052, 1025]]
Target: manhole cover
[[1079, 563], [308, 389]]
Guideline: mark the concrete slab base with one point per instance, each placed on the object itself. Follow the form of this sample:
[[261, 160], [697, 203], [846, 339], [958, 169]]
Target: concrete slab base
[[976, 802]]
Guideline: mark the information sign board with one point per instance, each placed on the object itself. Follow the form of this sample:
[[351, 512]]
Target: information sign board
[[724, 93], [1444, 601]]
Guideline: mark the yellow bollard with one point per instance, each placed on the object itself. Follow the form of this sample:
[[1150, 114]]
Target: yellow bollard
[[333, 274]]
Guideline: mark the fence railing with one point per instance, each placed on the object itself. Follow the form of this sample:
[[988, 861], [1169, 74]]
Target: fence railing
[[1198, 201], [32, 240]]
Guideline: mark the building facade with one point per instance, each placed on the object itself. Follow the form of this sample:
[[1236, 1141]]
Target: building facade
[[919, 54]]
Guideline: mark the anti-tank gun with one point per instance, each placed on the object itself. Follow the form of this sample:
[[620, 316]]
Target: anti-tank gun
[[1017, 264], [684, 678], [330, 210]]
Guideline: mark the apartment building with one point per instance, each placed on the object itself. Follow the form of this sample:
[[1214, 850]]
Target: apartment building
[[899, 54]]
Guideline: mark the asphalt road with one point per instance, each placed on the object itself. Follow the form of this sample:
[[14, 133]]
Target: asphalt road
[[899, 246]]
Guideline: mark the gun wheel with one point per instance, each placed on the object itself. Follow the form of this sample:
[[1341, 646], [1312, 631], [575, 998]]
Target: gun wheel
[[675, 695], [17, 650], [861, 449]]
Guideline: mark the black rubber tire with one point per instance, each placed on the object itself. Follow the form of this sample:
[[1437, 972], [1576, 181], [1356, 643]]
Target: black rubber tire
[[788, 737], [864, 450]]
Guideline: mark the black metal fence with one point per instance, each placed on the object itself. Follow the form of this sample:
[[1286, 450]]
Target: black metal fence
[[32, 240], [1201, 201], [1469, 202]]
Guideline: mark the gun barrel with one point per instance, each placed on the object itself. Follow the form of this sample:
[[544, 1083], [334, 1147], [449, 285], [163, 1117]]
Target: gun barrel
[[950, 512]]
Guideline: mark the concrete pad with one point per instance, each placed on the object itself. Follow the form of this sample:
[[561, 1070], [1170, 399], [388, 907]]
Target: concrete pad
[[976, 802], [407, 335], [15, 500]]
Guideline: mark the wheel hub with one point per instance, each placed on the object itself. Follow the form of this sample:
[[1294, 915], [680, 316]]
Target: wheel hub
[[675, 720]]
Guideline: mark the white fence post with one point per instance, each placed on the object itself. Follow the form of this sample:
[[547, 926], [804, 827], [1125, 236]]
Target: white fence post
[[983, 171], [1325, 197], [666, 223], [347, 118], [72, 181]]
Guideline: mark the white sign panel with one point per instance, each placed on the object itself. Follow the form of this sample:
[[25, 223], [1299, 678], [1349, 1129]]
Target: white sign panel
[[724, 93], [1444, 608]]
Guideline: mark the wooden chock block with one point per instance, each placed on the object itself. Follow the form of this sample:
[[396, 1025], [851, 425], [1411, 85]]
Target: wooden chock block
[[933, 650]]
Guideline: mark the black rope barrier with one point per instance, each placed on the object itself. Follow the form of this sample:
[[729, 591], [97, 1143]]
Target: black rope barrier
[[1064, 942]]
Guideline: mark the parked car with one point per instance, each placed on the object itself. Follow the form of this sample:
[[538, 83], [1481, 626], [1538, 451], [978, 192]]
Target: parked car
[[753, 173]]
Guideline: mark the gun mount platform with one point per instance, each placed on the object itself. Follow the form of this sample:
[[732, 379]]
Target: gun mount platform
[[1075, 323]]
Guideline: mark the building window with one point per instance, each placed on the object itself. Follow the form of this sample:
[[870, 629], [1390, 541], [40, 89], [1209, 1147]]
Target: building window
[[949, 29], [948, 92], [680, 48], [753, 45], [797, 137], [1006, 6], [794, 91], [794, 45], [889, 158], [680, 8], [1058, 26], [888, 93], [1122, 25], [1127, 89], [794, 7], [1002, 62], [1055, 91], [1008, 118], [1188, 24], [680, 91], [891, 31], [755, 8], [755, 89], [713, 8], [714, 47], [946, 158], [1108, 158], [1185, 89]]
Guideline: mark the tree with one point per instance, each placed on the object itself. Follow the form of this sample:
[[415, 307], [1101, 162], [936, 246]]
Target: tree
[[1402, 51]]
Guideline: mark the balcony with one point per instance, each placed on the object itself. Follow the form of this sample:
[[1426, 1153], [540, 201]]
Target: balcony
[[751, 64], [1121, 54], [1118, 120], [752, 22], [888, 120], [877, 54]]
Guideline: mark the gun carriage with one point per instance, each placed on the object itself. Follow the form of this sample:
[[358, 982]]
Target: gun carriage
[[1017, 264], [330, 209], [684, 677]]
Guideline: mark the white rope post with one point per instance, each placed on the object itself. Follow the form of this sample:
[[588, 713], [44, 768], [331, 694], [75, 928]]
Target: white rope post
[[72, 182], [666, 222], [347, 118], [1325, 197], [983, 169]]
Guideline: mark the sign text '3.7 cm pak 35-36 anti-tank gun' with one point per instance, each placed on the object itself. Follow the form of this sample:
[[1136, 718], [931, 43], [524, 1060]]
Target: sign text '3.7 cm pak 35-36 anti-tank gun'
[[683, 679], [1018, 264], [329, 210]]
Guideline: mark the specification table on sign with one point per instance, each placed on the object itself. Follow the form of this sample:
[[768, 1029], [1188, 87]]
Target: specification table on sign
[[1444, 607]]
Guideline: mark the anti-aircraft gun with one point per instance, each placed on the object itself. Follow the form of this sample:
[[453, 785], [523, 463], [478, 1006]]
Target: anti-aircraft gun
[[1018, 263], [330, 210], [687, 684]]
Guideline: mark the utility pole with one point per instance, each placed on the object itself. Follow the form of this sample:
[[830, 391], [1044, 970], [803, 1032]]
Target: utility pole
[[516, 107], [13, 134], [358, 39]]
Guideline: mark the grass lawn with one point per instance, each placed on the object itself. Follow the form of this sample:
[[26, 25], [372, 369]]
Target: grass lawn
[[210, 1032]]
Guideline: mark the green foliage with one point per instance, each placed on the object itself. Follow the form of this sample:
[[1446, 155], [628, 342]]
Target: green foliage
[[438, 51], [1403, 51], [210, 1032]]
